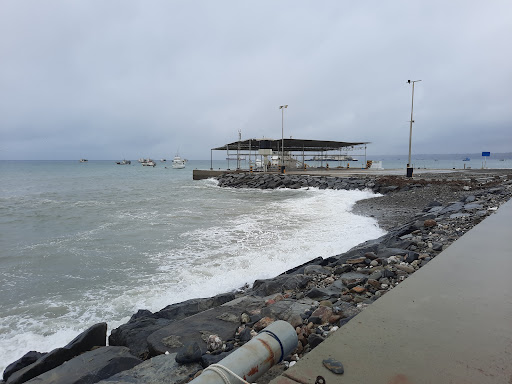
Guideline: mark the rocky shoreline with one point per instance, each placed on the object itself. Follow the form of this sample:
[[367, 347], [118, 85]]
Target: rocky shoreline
[[423, 216]]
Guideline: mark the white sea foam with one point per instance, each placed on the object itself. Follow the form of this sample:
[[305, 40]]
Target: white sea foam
[[259, 244]]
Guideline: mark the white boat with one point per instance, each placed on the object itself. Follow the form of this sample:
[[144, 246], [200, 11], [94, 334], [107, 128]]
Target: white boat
[[178, 162], [84, 160], [124, 162], [148, 163]]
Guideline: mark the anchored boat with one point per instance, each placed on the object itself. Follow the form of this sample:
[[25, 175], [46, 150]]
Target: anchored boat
[[178, 162]]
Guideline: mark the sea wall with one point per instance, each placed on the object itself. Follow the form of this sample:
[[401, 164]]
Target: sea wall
[[316, 298], [273, 181]]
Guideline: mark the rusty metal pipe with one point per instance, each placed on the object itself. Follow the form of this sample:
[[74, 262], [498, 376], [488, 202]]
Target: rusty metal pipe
[[257, 356]]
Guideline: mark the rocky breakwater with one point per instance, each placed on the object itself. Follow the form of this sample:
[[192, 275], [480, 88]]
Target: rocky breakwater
[[273, 181], [176, 343]]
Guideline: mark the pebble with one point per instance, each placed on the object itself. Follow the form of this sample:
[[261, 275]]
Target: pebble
[[334, 366], [358, 289], [214, 343], [245, 318], [393, 259], [263, 323], [429, 223]]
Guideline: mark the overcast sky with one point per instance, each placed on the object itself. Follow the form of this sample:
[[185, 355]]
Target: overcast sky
[[113, 79]]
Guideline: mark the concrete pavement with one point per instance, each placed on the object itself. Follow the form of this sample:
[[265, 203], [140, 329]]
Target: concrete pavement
[[450, 322]]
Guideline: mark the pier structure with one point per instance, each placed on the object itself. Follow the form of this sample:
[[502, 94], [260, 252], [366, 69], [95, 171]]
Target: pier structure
[[269, 154], [288, 155]]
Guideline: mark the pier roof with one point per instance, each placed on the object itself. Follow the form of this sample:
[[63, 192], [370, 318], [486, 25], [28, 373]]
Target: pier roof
[[292, 145]]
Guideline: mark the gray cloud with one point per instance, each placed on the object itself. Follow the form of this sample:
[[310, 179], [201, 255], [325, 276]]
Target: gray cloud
[[107, 80]]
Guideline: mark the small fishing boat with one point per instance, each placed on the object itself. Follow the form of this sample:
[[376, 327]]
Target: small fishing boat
[[84, 160], [148, 163], [124, 162], [466, 159]]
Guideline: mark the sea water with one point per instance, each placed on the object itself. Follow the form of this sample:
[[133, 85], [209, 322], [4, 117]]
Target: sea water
[[82, 243]]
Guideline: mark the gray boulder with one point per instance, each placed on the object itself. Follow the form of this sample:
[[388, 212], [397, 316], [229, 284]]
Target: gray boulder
[[90, 367], [94, 336], [190, 307], [221, 321], [279, 284], [455, 207], [318, 293], [472, 206], [25, 360], [287, 310], [316, 270], [190, 353], [134, 333], [142, 324]]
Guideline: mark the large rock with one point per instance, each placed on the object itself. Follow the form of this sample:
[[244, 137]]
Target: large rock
[[387, 252], [473, 206], [134, 333], [279, 284], [159, 369], [316, 270], [318, 293], [190, 353], [222, 321], [287, 310], [25, 360], [300, 268], [455, 207], [191, 307], [358, 251], [94, 336], [90, 367]]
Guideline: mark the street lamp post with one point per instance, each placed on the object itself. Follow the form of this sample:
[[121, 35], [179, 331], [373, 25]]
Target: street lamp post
[[282, 107], [409, 166]]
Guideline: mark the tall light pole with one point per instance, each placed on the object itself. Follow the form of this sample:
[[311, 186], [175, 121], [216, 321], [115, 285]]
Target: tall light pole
[[409, 166], [282, 107]]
